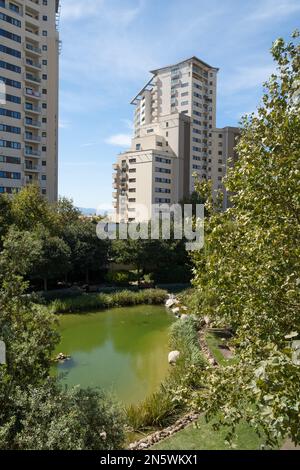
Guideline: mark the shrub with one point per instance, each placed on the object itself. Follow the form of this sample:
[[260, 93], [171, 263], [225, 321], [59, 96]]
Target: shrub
[[89, 302]]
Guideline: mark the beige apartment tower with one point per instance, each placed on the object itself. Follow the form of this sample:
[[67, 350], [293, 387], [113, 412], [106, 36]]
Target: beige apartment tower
[[175, 139], [29, 51]]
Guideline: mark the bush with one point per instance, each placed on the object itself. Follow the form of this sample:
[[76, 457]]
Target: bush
[[184, 338], [46, 417], [89, 302]]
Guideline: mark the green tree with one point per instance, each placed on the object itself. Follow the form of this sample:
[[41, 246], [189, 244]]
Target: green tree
[[247, 277]]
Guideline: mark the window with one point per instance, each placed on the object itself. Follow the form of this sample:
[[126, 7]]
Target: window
[[196, 167], [138, 147], [10, 175], [132, 200], [149, 131], [14, 8], [197, 113], [44, 163], [132, 190], [45, 2], [44, 47], [11, 160], [184, 103], [196, 131], [162, 170], [44, 192], [9, 144], [167, 124], [183, 85], [10, 19], [9, 113], [196, 158], [132, 160], [44, 149], [162, 200], [163, 160], [45, 62], [44, 91], [11, 67], [44, 134], [44, 105], [9, 82], [44, 177], [132, 170], [220, 152], [196, 121], [159, 144], [45, 33], [13, 99], [45, 18], [186, 93], [12, 129], [195, 139], [132, 180], [45, 76], [9, 35], [10, 51], [44, 120], [163, 180], [220, 136], [163, 190], [196, 149]]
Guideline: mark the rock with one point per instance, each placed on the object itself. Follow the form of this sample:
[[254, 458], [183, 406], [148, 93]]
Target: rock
[[176, 310], [184, 308], [170, 303], [62, 357], [184, 317], [103, 435], [207, 320], [173, 357]]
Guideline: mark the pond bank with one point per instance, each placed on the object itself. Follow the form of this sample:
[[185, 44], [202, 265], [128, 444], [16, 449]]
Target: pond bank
[[93, 302]]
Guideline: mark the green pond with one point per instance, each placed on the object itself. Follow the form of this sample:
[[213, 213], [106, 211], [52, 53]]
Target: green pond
[[123, 350]]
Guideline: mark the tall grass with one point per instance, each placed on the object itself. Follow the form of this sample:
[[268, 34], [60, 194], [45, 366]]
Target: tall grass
[[90, 302], [161, 408]]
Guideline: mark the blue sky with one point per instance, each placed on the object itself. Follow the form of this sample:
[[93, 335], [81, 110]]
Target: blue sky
[[108, 48]]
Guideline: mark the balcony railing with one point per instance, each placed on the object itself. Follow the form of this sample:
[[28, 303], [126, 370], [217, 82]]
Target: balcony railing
[[32, 63], [32, 78], [31, 137], [31, 122], [30, 167], [33, 93], [32, 48], [32, 153], [32, 108]]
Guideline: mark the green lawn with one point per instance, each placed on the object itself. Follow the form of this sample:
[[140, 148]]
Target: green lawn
[[213, 340], [203, 437]]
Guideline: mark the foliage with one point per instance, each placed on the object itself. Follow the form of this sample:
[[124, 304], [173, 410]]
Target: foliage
[[35, 413], [89, 302], [163, 407], [247, 277]]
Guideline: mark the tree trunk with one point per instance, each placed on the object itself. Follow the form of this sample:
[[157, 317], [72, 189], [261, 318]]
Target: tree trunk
[[45, 284]]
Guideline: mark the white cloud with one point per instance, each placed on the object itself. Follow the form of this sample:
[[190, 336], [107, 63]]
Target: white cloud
[[275, 9], [119, 140], [244, 78]]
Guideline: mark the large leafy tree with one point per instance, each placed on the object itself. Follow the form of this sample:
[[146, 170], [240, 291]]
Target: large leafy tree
[[248, 275]]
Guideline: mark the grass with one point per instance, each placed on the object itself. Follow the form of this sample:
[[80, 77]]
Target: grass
[[90, 302], [161, 409], [213, 341], [203, 437]]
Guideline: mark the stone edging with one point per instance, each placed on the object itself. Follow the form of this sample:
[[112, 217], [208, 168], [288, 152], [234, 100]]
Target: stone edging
[[159, 436]]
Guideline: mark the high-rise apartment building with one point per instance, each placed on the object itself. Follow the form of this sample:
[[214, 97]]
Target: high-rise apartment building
[[175, 138], [29, 50]]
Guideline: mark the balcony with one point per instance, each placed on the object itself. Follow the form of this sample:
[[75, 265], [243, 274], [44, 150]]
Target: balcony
[[32, 168], [115, 194], [30, 108], [28, 137], [32, 93], [31, 78], [28, 122], [32, 64], [33, 49], [29, 180], [31, 153]]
